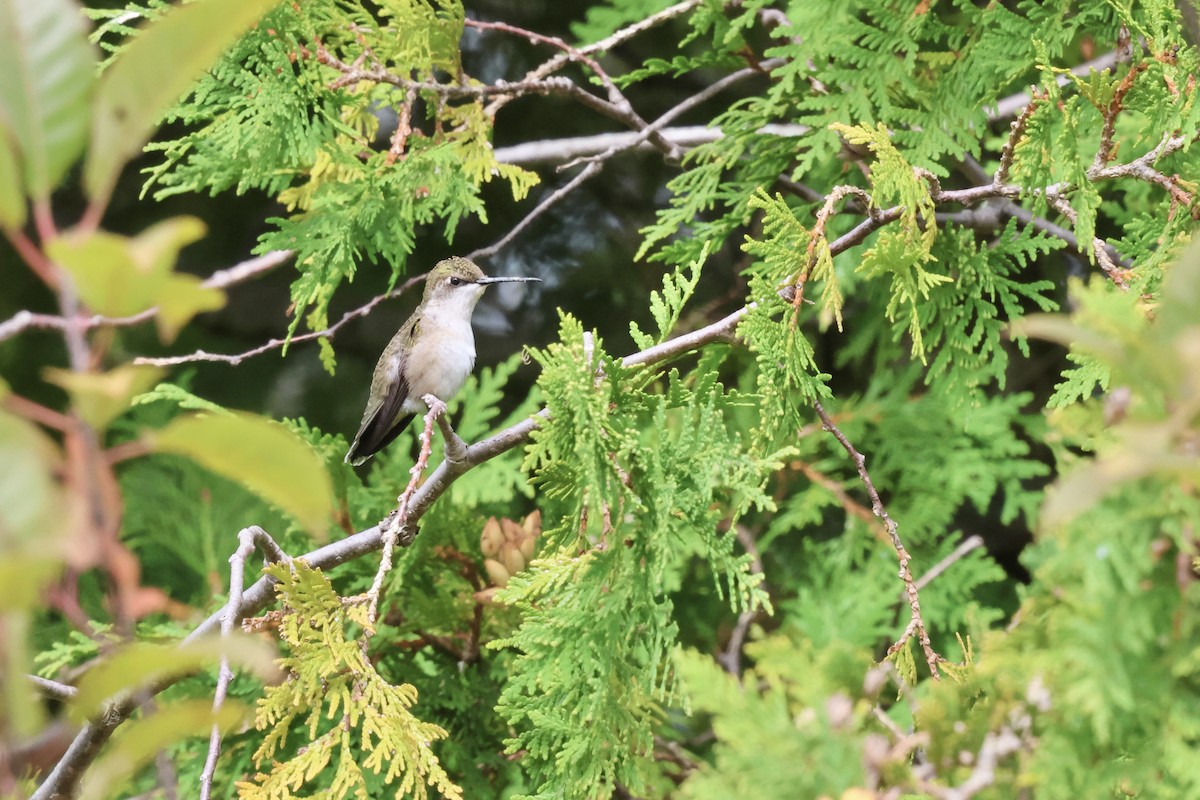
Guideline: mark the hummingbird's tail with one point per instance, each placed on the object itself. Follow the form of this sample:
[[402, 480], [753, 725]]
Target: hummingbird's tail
[[374, 435]]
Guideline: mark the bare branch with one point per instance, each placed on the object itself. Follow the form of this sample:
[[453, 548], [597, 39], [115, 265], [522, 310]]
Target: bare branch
[[250, 268], [550, 151], [397, 523], [275, 344], [619, 37], [917, 623], [731, 657], [249, 539], [970, 544], [239, 273], [59, 691], [548, 202], [650, 131]]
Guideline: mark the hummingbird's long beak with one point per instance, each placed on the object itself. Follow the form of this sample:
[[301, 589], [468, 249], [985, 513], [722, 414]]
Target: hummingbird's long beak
[[507, 280]]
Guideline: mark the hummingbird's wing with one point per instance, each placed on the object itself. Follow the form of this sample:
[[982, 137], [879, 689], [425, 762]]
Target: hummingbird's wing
[[384, 416]]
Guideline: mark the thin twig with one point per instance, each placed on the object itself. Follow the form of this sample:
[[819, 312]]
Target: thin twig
[[33, 256], [239, 273], [59, 691], [848, 503], [397, 524], [37, 412], [1016, 133], [548, 202], [646, 133], [917, 624], [968, 545], [249, 539], [649, 132], [562, 150], [274, 344], [731, 657], [558, 61]]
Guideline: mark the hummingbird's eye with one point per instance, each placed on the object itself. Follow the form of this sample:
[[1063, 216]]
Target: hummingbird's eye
[[456, 281]]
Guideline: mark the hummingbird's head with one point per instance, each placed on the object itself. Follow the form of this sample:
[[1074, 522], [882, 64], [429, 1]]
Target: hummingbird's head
[[457, 282]]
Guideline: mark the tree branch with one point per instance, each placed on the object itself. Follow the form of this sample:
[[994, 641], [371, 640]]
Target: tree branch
[[917, 623], [239, 273], [275, 344], [548, 151], [59, 691], [249, 539]]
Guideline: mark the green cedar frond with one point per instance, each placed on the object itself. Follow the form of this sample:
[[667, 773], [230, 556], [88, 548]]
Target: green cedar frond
[[666, 306]]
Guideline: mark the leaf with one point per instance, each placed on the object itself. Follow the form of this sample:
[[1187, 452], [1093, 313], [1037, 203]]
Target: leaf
[[31, 504], [12, 196], [121, 276], [183, 297], [157, 67], [47, 72], [147, 737], [24, 579], [142, 663], [101, 397], [261, 455]]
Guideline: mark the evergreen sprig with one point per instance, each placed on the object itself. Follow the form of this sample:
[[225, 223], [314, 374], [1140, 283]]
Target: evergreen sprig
[[354, 721]]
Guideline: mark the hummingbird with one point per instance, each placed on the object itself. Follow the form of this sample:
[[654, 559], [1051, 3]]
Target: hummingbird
[[432, 353]]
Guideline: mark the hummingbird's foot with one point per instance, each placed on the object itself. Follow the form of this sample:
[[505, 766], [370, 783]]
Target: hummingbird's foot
[[455, 447], [435, 405]]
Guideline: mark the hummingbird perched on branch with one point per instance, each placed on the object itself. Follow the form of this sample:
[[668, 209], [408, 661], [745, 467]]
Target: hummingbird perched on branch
[[431, 354]]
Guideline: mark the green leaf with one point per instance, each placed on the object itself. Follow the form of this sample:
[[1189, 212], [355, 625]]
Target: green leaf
[[147, 737], [25, 579], [23, 709], [101, 397], [31, 504], [47, 71], [12, 196], [120, 276], [265, 457], [157, 67], [141, 664]]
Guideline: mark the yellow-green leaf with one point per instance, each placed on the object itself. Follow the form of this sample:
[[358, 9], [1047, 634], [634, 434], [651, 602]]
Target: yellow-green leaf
[[101, 397], [141, 740], [31, 502], [151, 74], [47, 72], [120, 276], [261, 455], [23, 578], [104, 274], [182, 298], [140, 664], [12, 195], [23, 709]]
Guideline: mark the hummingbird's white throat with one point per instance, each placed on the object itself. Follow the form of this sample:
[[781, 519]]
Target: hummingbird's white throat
[[443, 352]]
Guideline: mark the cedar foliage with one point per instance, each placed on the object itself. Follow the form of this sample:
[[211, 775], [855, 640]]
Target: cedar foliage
[[590, 669]]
